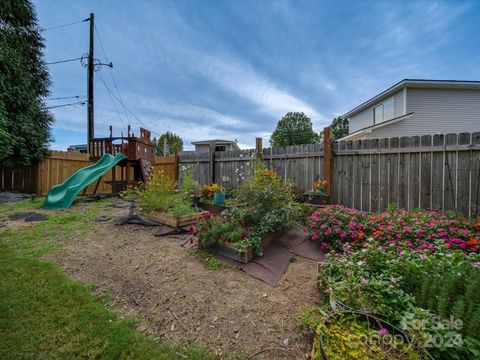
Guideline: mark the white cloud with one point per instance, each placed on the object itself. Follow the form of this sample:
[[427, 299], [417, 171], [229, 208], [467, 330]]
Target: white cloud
[[240, 78]]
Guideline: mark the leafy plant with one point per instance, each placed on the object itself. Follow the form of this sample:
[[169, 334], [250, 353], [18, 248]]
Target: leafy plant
[[420, 293], [225, 228], [174, 144], [348, 337], [161, 193], [267, 205], [294, 128]]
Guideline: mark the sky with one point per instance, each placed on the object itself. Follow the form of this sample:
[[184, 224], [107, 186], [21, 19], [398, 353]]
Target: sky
[[227, 69]]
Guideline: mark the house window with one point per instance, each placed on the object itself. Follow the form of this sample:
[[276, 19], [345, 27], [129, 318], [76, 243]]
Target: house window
[[220, 148], [383, 112]]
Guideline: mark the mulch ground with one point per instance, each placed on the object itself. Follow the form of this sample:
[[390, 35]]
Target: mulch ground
[[174, 295]]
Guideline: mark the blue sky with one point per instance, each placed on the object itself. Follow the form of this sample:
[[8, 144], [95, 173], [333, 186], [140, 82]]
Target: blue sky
[[231, 69]]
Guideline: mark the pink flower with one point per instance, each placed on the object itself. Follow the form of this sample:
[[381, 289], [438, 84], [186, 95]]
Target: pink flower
[[365, 282], [383, 331]]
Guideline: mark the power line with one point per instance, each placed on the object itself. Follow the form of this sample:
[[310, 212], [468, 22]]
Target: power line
[[63, 61], [71, 104], [125, 107], [111, 73], [111, 99], [67, 97], [65, 25]]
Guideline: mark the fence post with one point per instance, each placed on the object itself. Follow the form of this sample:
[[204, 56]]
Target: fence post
[[176, 165], [212, 163], [328, 161], [259, 148]]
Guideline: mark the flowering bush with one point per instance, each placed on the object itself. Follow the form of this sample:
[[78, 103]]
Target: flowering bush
[[422, 230], [337, 227], [340, 228]]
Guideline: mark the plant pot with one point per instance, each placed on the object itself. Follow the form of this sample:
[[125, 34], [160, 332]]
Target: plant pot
[[219, 198], [374, 323], [315, 199], [176, 221]]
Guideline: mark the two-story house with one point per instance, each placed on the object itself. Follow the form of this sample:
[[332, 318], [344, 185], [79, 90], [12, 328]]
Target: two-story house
[[417, 107]]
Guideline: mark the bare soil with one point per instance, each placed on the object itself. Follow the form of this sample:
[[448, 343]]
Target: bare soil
[[174, 295]]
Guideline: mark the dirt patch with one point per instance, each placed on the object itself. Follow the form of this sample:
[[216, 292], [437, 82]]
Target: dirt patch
[[175, 296]]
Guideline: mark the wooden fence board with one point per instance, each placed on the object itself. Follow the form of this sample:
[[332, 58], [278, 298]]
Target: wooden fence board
[[475, 176], [403, 170], [438, 168], [463, 176], [426, 173], [383, 174], [414, 175], [374, 177], [450, 177]]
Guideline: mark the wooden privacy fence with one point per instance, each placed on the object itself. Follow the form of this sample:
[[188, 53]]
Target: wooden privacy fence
[[301, 164], [39, 178], [168, 165], [437, 172]]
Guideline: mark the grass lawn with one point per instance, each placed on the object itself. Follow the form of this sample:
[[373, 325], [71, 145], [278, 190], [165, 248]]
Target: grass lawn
[[46, 315]]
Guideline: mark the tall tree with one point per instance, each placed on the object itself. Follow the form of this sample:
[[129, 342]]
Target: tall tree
[[339, 127], [24, 83], [174, 144], [294, 128]]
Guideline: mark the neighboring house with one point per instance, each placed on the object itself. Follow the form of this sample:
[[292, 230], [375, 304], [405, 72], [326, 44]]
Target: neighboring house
[[78, 148], [220, 145], [417, 107]]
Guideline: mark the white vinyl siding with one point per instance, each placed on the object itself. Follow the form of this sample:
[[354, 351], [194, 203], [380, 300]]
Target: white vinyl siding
[[436, 111], [365, 117]]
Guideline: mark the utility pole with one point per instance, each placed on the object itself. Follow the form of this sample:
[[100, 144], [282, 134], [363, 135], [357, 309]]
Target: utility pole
[[91, 128]]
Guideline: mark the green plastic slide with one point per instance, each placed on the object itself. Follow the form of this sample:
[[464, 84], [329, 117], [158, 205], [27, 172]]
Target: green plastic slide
[[61, 196]]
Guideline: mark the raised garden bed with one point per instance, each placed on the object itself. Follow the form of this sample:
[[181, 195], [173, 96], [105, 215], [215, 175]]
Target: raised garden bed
[[176, 221], [243, 255], [214, 208]]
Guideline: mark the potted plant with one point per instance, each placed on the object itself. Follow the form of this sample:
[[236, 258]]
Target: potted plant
[[355, 335], [318, 196], [213, 198]]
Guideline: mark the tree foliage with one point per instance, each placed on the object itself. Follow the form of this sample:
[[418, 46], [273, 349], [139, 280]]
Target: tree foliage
[[294, 128], [24, 83], [339, 127], [174, 144]]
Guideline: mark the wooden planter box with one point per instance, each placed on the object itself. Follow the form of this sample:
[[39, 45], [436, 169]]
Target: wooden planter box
[[315, 199], [176, 221], [245, 255], [216, 209]]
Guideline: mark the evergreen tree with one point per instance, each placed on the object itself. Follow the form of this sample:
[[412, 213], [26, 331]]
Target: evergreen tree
[[24, 83]]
